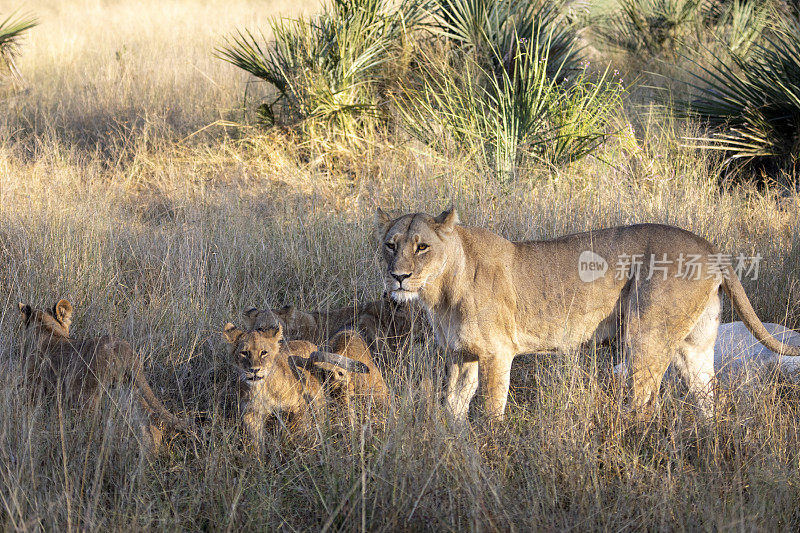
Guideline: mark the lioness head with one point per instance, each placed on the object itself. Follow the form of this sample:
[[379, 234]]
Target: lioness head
[[254, 352], [55, 321], [415, 248]]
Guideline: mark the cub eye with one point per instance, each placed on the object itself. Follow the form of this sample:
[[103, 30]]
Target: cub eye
[[421, 247], [390, 246], [244, 353]]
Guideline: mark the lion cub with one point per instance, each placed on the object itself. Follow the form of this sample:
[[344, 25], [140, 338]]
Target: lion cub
[[354, 385], [82, 369], [276, 377], [379, 320]]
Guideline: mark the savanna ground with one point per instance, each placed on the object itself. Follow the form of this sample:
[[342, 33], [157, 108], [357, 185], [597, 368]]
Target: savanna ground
[[134, 182]]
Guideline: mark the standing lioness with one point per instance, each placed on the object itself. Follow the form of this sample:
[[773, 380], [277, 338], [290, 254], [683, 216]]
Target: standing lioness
[[489, 299]]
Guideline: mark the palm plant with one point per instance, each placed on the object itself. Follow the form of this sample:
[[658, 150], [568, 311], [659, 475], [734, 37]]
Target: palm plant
[[508, 115], [489, 26], [325, 69], [11, 33], [752, 101], [650, 27]]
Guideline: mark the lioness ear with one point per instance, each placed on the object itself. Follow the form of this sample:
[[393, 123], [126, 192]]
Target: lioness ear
[[382, 223], [231, 333], [447, 220], [62, 311]]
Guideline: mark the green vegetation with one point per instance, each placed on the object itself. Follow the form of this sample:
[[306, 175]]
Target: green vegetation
[[752, 100], [12, 31]]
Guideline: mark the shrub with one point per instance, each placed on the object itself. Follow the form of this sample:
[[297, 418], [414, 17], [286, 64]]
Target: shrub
[[325, 69], [752, 101], [507, 115], [11, 33], [486, 27]]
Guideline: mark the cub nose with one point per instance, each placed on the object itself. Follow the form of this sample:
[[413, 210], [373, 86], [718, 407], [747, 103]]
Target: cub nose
[[400, 277]]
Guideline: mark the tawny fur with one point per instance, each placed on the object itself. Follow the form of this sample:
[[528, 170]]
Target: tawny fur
[[489, 299], [83, 369], [348, 386], [274, 380], [378, 321]]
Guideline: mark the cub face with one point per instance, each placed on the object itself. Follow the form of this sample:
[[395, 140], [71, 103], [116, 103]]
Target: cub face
[[414, 248], [254, 352], [55, 321]]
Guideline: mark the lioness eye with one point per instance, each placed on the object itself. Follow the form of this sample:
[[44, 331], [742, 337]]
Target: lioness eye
[[244, 353], [263, 352], [421, 247], [390, 246]]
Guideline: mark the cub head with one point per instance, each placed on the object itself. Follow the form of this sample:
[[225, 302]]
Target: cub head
[[261, 319], [55, 321], [297, 323], [415, 248], [254, 352]]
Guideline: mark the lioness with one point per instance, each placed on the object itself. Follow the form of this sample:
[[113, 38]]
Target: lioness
[[489, 299], [276, 378], [83, 369]]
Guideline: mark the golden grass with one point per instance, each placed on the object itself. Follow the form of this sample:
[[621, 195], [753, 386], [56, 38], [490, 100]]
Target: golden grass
[[161, 238]]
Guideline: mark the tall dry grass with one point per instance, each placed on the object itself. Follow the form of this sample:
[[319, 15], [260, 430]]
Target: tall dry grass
[[161, 238]]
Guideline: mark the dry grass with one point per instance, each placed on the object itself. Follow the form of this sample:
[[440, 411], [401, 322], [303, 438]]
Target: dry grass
[[162, 239]]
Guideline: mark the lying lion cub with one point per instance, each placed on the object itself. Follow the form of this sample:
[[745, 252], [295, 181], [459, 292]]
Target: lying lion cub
[[84, 369], [382, 319], [347, 385], [276, 377]]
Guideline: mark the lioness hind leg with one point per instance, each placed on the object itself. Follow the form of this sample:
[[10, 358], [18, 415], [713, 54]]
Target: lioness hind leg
[[696, 356], [462, 383], [650, 347], [649, 358]]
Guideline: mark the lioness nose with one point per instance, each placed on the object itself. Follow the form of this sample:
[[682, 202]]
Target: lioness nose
[[400, 277]]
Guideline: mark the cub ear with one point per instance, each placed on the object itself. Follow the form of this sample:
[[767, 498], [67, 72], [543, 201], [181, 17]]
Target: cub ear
[[26, 311], [62, 311], [231, 333], [383, 221], [274, 331], [249, 317], [447, 220]]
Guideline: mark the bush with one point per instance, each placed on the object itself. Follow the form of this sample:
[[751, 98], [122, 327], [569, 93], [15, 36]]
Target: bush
[[487, 27], [752, 101], [11, 33], [325, 69], [665, 28], [511, 114]]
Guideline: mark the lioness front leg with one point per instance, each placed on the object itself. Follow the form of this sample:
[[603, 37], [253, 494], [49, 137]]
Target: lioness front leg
[[495, 374], [462, 383]]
